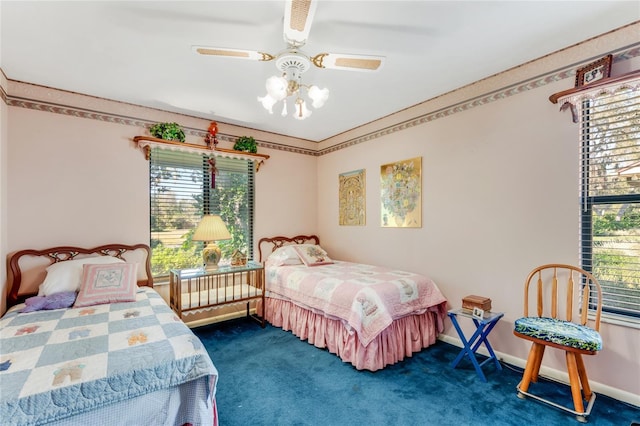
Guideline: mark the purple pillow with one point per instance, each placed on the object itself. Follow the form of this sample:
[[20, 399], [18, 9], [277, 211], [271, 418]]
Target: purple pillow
[[53, 301]]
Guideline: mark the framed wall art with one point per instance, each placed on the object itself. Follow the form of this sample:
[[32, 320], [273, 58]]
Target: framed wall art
[[595, 71], [401, 194], [352, 198]]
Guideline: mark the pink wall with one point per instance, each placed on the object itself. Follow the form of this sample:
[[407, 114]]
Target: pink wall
[[500, 196], [286, 201], [74, 181], [78, 181], [499, 190], [83, 181]]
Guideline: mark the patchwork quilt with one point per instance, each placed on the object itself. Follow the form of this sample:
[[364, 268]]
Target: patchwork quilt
[[366, 298], [58, 363]]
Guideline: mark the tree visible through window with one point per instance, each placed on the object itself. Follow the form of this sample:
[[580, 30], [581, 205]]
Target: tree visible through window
[[610, 194], [181, 192]]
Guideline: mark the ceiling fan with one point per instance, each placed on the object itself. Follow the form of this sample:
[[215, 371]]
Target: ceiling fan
[[293, 62]]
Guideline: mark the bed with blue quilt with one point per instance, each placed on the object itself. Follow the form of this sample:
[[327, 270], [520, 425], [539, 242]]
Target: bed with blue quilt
[[111, 352]]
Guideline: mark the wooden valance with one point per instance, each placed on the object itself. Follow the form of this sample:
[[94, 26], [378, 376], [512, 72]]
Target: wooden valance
[[147, 142], [573, 98]]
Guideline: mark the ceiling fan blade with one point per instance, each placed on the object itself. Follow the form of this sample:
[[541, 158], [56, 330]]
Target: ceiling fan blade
[[233, 53], [298, 16], [348, 62]]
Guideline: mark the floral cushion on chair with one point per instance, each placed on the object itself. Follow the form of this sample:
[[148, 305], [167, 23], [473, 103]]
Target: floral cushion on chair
[[563, 333]]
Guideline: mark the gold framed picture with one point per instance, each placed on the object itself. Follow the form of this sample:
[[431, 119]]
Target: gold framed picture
[[401, 194], [595, 71], [352, 198]]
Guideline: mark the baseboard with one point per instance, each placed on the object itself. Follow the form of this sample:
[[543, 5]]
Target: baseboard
[[551, 373]]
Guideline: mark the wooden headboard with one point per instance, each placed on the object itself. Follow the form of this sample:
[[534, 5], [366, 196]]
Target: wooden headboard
[[27, 268], [276, 242]]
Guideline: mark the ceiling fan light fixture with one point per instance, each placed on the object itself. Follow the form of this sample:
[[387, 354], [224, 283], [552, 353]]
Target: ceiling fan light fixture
[[280, 88], [267, 102], [318, 96], [292, 64], [277, 87], [302, 111]]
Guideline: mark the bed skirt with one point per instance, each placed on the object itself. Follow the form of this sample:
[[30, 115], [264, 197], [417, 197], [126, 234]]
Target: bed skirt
[[401, 339]]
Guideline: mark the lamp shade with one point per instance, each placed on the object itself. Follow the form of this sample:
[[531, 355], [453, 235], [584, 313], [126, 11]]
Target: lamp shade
[[211, 228]]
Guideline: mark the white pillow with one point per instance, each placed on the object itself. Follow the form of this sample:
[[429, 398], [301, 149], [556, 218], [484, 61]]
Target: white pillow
[[67, 275], [290, 255], [285, 255]]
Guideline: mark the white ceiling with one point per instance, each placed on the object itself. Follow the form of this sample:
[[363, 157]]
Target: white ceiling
[[140, 51]]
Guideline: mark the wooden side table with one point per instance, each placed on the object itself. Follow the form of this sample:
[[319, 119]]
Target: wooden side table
[[480, 336]]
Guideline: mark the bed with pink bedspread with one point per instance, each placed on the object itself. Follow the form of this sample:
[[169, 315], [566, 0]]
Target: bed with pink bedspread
[[368, 315]]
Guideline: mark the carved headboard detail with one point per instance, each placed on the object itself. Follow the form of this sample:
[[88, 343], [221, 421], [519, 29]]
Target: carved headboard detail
[[27, 268], [277, 242]]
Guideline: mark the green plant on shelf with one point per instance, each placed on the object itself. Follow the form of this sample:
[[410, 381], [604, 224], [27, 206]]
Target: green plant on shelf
[[167, 131], [246, 143]]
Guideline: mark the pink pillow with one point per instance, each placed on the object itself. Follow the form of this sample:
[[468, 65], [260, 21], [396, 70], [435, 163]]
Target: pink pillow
[[107, 284], [312, 255]]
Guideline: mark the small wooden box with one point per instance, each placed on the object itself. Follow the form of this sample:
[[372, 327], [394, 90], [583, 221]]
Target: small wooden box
[[474, 301]]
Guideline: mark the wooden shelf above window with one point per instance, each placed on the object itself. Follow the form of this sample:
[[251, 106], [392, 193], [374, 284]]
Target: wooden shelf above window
[[604, 82], [571, 98], [147, 142]]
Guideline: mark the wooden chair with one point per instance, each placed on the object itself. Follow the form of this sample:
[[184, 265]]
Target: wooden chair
[[567, 331]]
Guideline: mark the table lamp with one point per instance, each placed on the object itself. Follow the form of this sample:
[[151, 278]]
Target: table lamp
[[211, 229]]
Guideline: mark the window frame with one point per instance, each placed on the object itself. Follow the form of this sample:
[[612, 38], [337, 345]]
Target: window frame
[[587, 237], [196, 165], [581, 104]]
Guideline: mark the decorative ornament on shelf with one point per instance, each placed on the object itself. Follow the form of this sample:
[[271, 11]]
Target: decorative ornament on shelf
[[210, 138], [246, 143], [167, 131], [595, 71], [213, 170], [238, 258]]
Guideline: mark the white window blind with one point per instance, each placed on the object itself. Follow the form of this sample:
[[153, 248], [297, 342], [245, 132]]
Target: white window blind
[[181, 192], [610, 191]]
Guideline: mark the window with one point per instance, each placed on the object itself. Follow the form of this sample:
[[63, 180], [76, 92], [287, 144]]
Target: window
[[181, 192], [610, 196]]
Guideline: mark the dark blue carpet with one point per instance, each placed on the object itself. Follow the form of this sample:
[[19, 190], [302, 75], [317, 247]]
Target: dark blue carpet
[[270, 377]]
